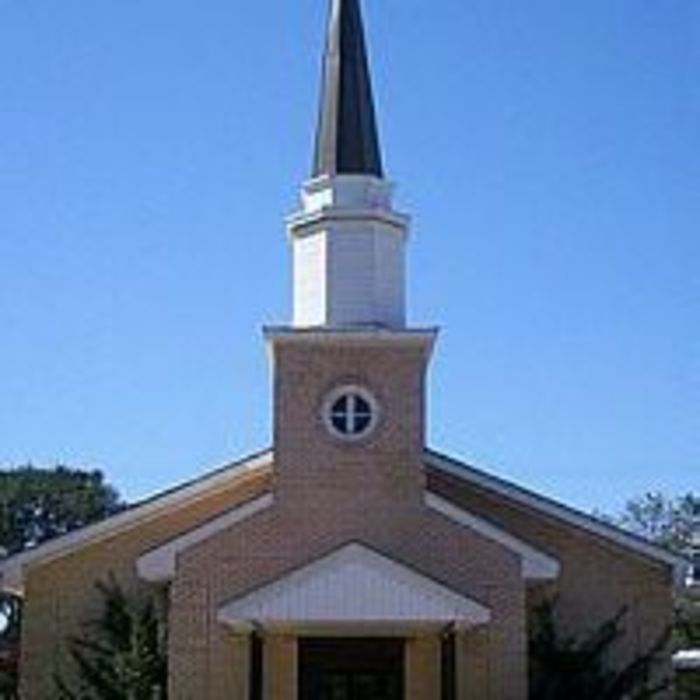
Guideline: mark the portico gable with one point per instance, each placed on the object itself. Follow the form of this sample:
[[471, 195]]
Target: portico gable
[[351, 589]]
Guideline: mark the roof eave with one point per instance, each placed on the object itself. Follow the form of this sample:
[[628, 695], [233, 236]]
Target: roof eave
[[12, 569], [558, 511]]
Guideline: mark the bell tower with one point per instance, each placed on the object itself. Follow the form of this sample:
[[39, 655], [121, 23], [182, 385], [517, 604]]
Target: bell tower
[[348, 243], [349, 374]]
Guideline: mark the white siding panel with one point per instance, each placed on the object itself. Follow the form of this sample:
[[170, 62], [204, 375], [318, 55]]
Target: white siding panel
[[390, 273], [365, 276], [310, 280], [351, 275], [357, 279]]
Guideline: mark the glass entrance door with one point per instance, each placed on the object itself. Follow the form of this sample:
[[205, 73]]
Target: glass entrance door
[[351, 669]]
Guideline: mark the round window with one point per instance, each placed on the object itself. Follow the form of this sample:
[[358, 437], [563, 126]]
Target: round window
[[350, 413]]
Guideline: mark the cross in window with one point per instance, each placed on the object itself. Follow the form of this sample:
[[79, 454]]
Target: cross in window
[[351, 414]]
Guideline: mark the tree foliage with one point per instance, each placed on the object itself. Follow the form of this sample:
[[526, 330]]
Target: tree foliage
[[35, 506], [9, 673], [669, 522], [121, 655], [687, 632], [673, 523], [39, 504], [580, 668], [688, 686]]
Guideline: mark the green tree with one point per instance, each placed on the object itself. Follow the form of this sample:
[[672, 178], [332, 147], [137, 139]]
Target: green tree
[[121, 655], [674, 523], [579, 668], [39, 504], [669, 522], [688, 622], [35, 506]]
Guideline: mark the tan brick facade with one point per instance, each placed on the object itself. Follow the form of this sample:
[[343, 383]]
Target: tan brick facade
[[330, 494], [309, 463], [327, 494]]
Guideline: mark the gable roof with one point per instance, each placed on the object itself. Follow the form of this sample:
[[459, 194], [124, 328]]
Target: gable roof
[[12, 568], [553, 509]]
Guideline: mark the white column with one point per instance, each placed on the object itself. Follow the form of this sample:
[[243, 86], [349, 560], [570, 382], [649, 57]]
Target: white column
[[280, 667], [423, 667]]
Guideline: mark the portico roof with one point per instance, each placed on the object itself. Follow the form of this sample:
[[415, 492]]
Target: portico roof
[[353, 585]]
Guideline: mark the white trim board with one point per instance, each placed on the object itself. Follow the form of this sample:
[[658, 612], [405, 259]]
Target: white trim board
[[158, 565], [555, 510], [12, 569], [535, 565], [353, 585]]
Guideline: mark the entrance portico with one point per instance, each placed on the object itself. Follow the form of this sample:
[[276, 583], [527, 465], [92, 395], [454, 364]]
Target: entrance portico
[[354, 625]]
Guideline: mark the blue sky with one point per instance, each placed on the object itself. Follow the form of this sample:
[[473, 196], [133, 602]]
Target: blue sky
[[547, 150]]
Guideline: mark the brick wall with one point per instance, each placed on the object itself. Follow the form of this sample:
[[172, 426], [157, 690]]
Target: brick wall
[[329, 494]]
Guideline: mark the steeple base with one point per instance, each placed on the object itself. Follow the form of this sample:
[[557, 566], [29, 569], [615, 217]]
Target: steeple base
[[349, 255]]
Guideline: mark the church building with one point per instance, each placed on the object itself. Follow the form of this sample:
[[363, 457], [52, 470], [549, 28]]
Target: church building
[[349, 561]]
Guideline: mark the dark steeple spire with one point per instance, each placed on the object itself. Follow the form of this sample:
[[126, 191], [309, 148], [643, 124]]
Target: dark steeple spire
[[347, 141]]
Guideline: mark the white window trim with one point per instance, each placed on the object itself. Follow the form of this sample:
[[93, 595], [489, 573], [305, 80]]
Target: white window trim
[[350, 389]]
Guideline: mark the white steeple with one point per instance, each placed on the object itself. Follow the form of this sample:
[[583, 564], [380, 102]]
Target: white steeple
[[348, 243]]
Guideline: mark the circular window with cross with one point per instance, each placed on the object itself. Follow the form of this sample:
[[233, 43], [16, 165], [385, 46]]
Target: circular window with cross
[[350, 413]]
